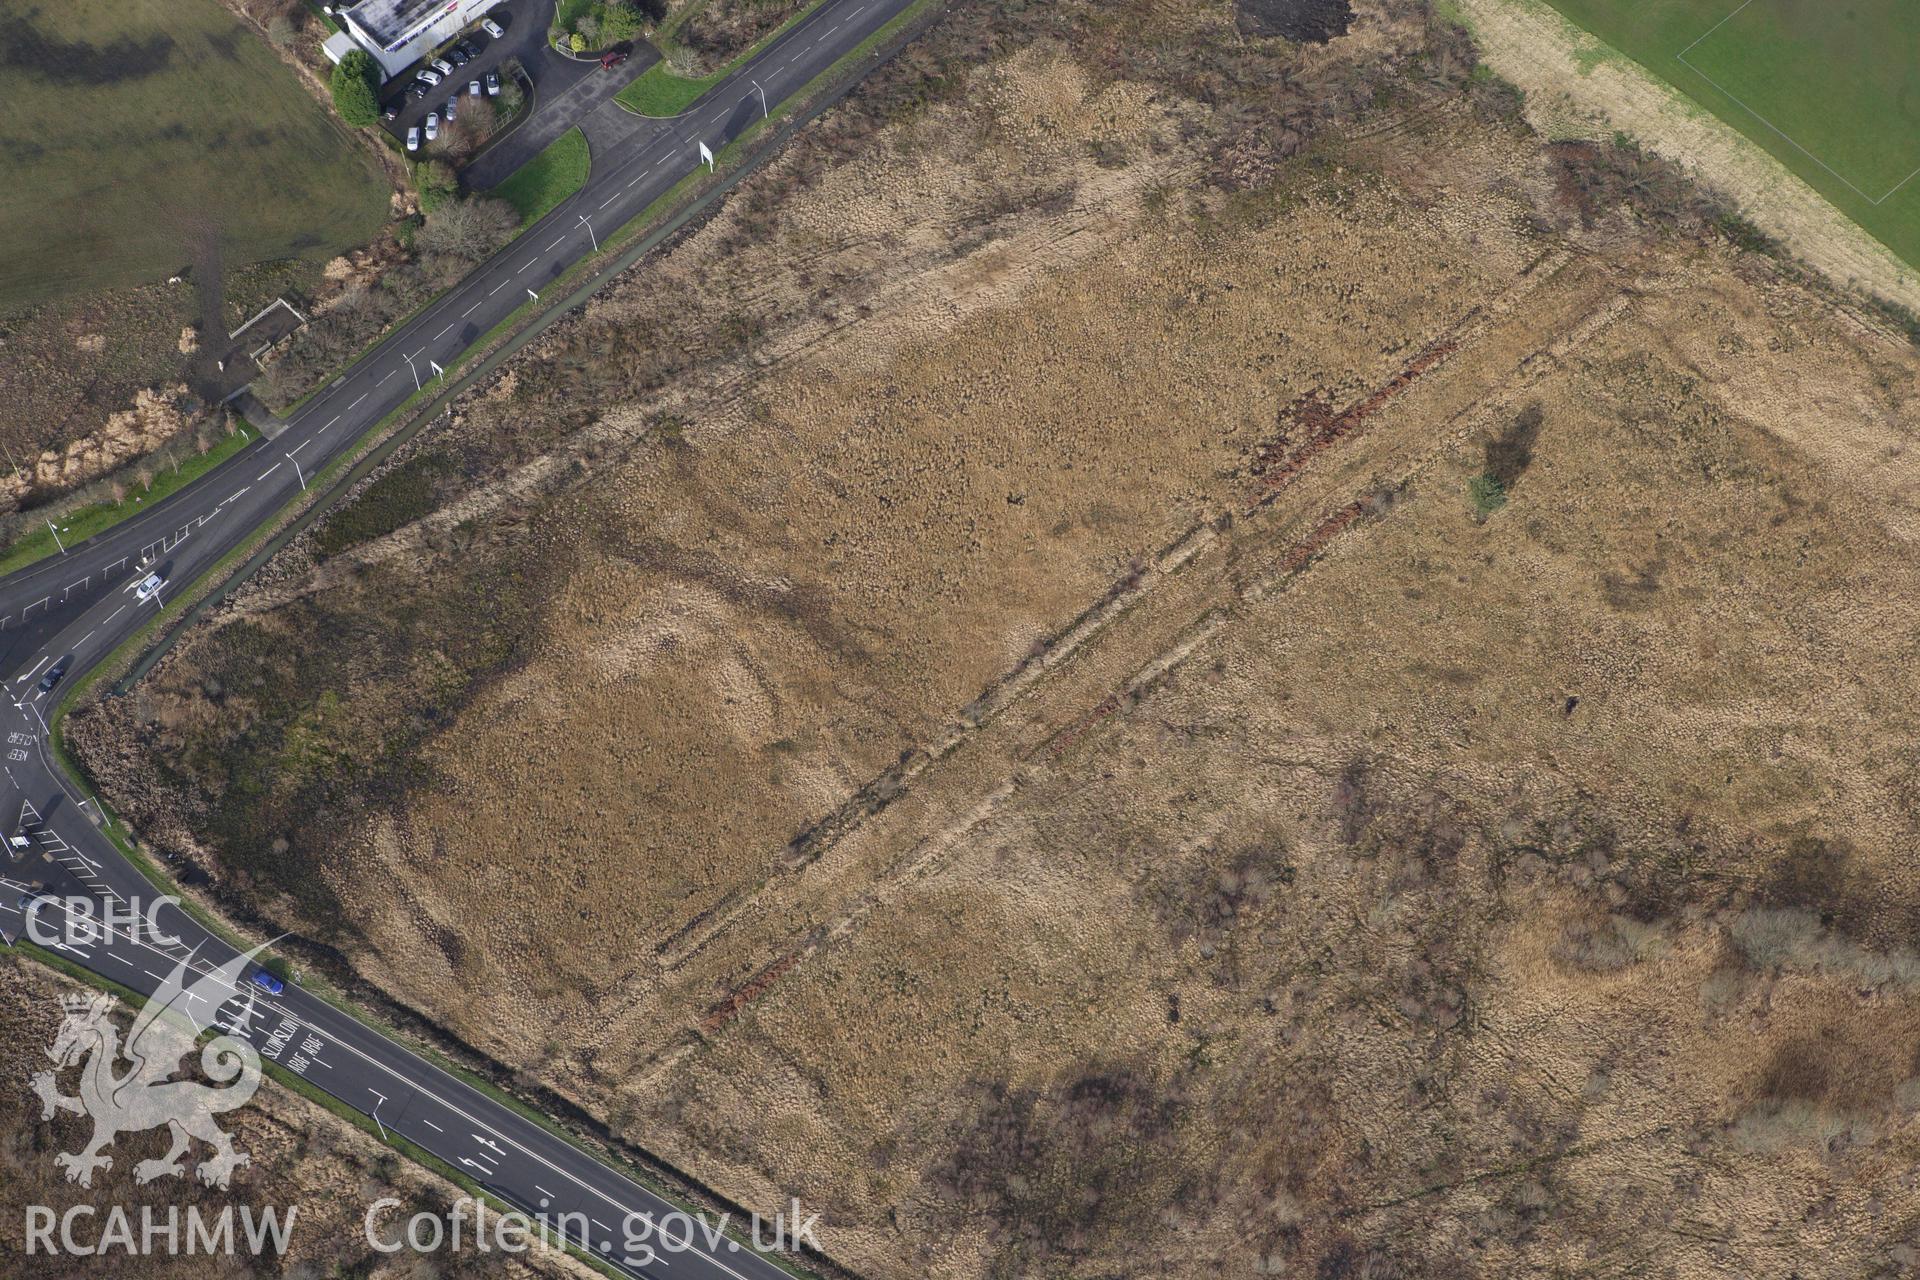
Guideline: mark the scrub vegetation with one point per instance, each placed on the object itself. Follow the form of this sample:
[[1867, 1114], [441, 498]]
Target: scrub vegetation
[[967, 689]]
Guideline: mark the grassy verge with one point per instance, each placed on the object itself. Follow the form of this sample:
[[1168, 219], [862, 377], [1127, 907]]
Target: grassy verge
[[84, 522], [319, 11], [547, 179], [659, 92]]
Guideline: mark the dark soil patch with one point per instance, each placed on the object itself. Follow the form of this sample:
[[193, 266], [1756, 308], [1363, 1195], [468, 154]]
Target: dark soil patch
[[1301, 21], [30, 52]]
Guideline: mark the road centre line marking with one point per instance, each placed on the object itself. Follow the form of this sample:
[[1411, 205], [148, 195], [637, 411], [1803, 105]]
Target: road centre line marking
[[641, 1193], [269, 471], [470, 310], [356, 403], [383, 381], [555, 244], [443, 333]]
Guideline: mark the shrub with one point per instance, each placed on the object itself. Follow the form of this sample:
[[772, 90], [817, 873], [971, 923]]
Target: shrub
[[1488, 494], [577, 42], [436, 182], [354, 96]]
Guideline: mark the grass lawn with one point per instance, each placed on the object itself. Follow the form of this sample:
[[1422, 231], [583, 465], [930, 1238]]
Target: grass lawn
[[1831, 90], [84, 522], [657, 91], [130, 122], [548, 178]]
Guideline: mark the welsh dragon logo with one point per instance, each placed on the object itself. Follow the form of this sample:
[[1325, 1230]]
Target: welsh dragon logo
[[145, 1095]]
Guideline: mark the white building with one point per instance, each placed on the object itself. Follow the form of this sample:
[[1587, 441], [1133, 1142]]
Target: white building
[[398, 33]]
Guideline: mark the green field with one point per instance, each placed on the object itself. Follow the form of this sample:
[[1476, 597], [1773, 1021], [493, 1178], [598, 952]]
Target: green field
[[125, 125], [1833, 90]]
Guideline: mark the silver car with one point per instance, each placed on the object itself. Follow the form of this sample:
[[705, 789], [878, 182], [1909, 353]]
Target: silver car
[[433, 125], [413, 138]]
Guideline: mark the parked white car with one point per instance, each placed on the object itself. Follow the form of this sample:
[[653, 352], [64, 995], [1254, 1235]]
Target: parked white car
[[473, 88], [492, 28], [413, 138], [427, 75], [433, 125]]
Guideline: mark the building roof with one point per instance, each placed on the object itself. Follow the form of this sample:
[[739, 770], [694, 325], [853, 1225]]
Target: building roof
[[338, 45], [396, 32], [393, 22]]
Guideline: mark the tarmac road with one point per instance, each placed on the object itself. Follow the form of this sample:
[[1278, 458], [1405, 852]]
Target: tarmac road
[[77, 607]]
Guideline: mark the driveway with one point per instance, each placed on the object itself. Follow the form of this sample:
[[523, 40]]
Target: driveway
[[565, 93], [564, 90]]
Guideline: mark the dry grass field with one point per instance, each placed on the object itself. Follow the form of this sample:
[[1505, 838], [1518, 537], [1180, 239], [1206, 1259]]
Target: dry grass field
[[1098, 678]]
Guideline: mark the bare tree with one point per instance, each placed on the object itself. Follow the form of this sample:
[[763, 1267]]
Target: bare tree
[[467, 229]]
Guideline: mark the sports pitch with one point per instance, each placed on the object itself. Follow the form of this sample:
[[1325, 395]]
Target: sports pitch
[[1831, 88]]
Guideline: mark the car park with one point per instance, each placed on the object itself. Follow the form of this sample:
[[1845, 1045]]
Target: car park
[[427, 75], [458, 56], [419, 89], [441, 65], [492, 28], [493, 84], [473, 89], [433, 125], [413, 138], [390, 113], [453, 107]]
